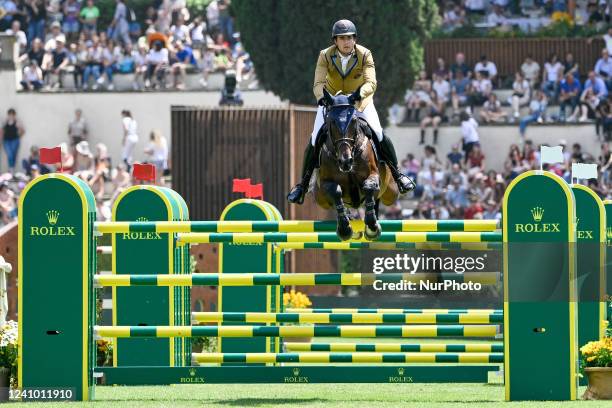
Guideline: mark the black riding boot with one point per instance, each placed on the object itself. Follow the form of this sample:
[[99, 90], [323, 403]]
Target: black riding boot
[[404, 182], [297, 193]]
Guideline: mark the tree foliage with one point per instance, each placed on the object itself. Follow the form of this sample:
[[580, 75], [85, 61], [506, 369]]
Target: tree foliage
[[284, 38]]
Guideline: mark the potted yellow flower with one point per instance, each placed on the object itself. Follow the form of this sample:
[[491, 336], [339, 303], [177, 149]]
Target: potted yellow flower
[[597, 364], [104, 353], [8, 357], [296, 300]]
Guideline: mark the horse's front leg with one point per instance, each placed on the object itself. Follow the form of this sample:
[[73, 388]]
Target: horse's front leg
[[371, 188], [334, 191]]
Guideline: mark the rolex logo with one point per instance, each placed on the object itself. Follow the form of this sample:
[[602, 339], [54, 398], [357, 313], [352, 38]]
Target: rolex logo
[[192, 372], [296, 372], [609, 232], [537, 213], [400, 371], [52, 216], [141, 219]]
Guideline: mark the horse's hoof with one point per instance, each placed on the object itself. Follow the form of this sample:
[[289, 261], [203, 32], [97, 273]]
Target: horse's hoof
[[372, 234], [345, 233]]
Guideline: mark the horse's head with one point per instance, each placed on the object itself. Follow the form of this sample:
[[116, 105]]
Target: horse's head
[[343, 128]]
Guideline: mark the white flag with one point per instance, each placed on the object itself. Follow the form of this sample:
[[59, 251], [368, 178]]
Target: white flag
[[551, 154], [583, 171]]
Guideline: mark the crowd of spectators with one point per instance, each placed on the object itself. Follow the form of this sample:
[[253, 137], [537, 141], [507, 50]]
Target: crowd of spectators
[[460, 185], [80, 157], [558, 90], [523, 15], [64, 38]]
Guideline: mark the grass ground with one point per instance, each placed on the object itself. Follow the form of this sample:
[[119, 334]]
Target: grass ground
[[313, 395]]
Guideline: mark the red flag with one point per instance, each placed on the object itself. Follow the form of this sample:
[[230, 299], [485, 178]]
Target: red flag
[[256, 191], [50, 155], [145, 172], [241, 186]]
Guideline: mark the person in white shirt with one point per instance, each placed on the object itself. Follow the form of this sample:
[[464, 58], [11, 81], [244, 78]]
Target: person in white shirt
[[32, 77], [130, 136], [442, 88], [607, 37], [603, 68], [20, 37], [469, 133], [492, 111], [551, 77], [157, 64], [521, 93], [484, 65], [55, 33], [530, 70], [157, 150], [479, 91], [497, 18], [475, 6]]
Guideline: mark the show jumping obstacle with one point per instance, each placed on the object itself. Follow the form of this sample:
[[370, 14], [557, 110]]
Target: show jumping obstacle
[[152, 318]]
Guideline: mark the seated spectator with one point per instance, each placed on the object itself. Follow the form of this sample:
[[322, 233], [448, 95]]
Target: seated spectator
[[570, 66], [157, 65], [454, 16], [20, 37], [207, 65], [442, 88], [93, 64], [431, 158], [479, 91], [433, 118], [8, 203], [569, 96], [180, 31], [79, 65], [475, 7], [551, 77], [242, 59], [197, 31], [486, 68], [496, 18], [475, 160], [67, 158], [126, 60], [441, 70], [603, 68], [102, 169], [184, 59], [84, 165], [78, 129], [469, 133], [9, 10], [454, 157], [56, 64], [430, 180], [514, 163], [537, 110], [111, 53], [34, 160], [597, 85], [605, 117], [32, 77], [89, 18], [456, 171], [140, 67], [521, 93], [531, 71], [121, 180], [411, 166], [474, 210], [459, 65], [607, 38], [418, 97], [56, 32], [530, 155], [459, 90], [492, 111], [456, 197], [36, 53], [221, 61], [588, 106]]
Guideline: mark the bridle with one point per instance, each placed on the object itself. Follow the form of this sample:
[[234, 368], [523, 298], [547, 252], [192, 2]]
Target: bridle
[[333, 146]]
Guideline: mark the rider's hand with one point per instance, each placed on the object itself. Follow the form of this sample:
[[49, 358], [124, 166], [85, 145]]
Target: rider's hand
[[322, 102]]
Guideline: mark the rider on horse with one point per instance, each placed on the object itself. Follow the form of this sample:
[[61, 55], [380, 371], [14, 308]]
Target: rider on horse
[[345, 67]]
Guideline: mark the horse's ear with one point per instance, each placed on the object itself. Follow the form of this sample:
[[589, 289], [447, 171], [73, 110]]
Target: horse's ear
[[328, 97]]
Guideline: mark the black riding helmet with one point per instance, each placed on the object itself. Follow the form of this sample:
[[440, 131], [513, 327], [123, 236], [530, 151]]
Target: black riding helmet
[[343, 27]]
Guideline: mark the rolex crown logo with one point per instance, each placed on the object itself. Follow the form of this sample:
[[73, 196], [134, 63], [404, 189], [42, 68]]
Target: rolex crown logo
[[537, 213], [400, 372], [609, 232], [52, 216], [141, 219], [192, 372], [296, 372]]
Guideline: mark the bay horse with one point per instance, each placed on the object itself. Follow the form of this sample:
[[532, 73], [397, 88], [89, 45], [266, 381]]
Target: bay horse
[[349, 172]]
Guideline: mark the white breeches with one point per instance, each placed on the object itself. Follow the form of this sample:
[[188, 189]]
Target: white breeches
[[369, 114]]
